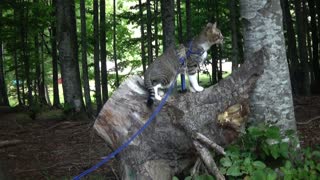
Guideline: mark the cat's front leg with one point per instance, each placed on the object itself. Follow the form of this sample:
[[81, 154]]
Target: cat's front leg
[[194, 83]]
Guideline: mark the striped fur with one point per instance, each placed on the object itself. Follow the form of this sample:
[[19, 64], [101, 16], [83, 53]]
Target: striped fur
[[161, 73]]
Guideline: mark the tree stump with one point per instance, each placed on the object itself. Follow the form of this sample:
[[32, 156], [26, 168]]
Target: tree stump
[[184, 130]]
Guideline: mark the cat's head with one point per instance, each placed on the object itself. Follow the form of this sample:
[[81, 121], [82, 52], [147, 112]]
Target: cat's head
[[213, 34]]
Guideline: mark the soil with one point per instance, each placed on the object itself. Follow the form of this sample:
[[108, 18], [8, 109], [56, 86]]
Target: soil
[[52, 147]]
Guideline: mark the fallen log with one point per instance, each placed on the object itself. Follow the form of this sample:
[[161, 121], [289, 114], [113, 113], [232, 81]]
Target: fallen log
[[184, 130]]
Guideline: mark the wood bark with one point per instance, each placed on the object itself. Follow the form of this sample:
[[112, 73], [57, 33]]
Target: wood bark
[[188, 20], [54, 54], [4, 101], [166, 147], [234, 32], [149, 32], [68, 54], [167, 16], [117, 83], [143, 50], [96, 55], [84, 59], [302, 46], [291, 46], [315, 41], [103, 51], [263, 30]]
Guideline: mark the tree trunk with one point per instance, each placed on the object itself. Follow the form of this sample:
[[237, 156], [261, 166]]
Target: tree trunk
[[85, 76], [143, 50], [114, 43], [179, 21], [54, 53], [167, 16], [234, 32], [25, 54], [266, 106], [301, 32], [16, 67], [188, 20], [4, 101], [166, 147], [291, 46], [67, 45], [96, 55], [156, 38], [104, 75], [149, 33], [315, 49]]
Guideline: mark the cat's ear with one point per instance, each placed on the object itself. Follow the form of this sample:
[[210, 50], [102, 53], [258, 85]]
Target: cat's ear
[[214, 25], [209, 25]]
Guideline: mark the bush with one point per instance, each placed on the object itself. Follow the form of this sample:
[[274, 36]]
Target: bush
[[263, 153]]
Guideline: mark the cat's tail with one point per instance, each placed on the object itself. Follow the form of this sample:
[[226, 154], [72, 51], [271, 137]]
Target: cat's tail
[[151, 97]]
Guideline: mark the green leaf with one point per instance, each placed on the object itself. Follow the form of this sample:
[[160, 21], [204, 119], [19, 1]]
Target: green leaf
[[274, 150], [273, 132], [271, 175], [204, 177], [259, 175], [175, 178], [226, 162], [234, 171], [188, 178], [284, 149], [255, 131], [259, 164]]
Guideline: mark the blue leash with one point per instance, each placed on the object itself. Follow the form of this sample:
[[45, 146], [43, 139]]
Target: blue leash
[[126, 144]]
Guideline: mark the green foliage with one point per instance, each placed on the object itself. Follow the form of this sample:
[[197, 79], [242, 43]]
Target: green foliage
[[264, 153]]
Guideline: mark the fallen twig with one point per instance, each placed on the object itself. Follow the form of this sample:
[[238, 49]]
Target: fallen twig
[[9, 142], [310, 120]]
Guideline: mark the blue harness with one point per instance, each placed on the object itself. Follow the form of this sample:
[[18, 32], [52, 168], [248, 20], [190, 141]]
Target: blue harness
[[182, 61]]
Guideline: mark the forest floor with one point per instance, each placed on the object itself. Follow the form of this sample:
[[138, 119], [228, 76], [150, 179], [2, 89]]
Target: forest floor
[[52, 147]]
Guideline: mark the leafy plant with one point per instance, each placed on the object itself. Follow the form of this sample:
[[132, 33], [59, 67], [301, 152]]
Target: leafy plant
[[264, 153]]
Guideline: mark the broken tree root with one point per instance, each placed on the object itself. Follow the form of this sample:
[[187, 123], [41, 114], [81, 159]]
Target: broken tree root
[[208, 160], [202, 138]]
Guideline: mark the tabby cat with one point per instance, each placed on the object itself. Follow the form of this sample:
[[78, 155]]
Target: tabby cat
[[162, 72]]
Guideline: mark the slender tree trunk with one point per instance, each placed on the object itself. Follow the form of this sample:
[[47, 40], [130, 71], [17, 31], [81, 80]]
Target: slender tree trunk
[[188, 20], [85, 76], [96, 54], [114, 42], [179, 21], [291, 45], [17, 79], [149, 33], [38, 67], [68, 54], [266, 106], [315, 41], [24, 43], [167, 15], [54, 54], [156, 30], [104, 75], [301, 31], [43, 91], [3, 88], [214, 49], [234, 32], [143, 50], [4, 101]]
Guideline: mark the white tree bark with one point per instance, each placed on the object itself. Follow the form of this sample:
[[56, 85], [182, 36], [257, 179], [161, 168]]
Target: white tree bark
[[272, 98]]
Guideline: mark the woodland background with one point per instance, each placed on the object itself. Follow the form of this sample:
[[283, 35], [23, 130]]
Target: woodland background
[[61, 60], [114, 39]]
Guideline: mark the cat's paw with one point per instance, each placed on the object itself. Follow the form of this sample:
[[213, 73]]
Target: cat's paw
[[199, 89], [157, 97]]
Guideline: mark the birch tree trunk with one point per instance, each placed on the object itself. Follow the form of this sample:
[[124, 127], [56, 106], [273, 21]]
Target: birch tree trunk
[[272, 98], [67, 46]]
